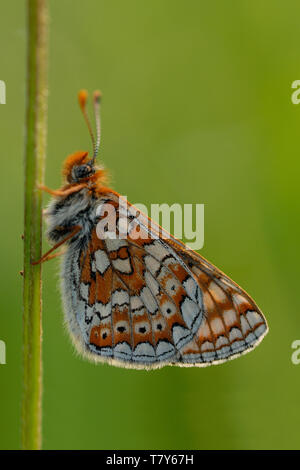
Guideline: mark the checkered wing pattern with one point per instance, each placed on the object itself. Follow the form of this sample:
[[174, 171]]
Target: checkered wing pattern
[[146, 301]]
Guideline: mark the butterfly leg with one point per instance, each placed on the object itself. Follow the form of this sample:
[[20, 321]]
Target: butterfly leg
[[55, 255], [46, 257], [64, 192]]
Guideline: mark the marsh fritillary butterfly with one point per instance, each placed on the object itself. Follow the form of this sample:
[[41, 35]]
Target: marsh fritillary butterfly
[[141, 301]]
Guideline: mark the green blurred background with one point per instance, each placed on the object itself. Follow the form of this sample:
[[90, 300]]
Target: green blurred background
[[197, 109]]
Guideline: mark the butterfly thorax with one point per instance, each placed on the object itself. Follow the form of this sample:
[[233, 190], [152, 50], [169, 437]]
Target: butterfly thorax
[[77, 209]]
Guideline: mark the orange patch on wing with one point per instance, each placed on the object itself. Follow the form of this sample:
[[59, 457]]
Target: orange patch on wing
[[104, 286], [141, 240], [141, 337], [119, 316], [171, 319], [101, 335], [178, 270], [123, 253], [135, 280], [203, 278], [96, 242], [243, 305], [160, 328]]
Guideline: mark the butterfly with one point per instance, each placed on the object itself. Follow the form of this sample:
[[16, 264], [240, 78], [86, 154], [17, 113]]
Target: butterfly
[[142, 300]]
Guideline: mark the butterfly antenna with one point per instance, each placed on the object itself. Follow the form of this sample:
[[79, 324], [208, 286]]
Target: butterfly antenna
[[82, 99], [97, 101]]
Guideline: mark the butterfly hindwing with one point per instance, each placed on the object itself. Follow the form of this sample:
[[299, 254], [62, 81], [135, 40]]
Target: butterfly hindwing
[[146, 301]]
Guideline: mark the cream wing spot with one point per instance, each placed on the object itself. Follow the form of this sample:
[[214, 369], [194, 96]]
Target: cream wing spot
[[207, 346], [191, 288], [204, 330], [242, 304], [84, 291], [253, 318], [157, 250], [217, 293], [101, 261], [152, 264], [152, 283], [168, 308], [136, 303], [103, 310], [114, 244], [120, 297], [148, 300], [217, 326], [208, 302], [244, 325], [171, 285], [190, 311], [122, 265], [230, 317]]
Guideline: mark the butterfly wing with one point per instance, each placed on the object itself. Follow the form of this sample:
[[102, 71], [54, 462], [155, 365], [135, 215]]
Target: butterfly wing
[[145, 301], [232, 324]]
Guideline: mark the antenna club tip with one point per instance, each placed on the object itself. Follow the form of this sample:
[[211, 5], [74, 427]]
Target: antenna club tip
[[82, 98], [97, 96]]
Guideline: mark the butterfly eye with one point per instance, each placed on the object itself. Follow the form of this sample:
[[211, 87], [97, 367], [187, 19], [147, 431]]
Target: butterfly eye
[[82, 171]]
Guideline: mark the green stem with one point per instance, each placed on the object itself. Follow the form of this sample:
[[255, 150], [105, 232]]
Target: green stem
[[35, 150]]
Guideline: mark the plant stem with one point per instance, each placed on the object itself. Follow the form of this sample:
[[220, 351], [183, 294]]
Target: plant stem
[[35, 150]]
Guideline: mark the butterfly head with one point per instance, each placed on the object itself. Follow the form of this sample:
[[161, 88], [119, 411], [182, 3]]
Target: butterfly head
[[78, 166]]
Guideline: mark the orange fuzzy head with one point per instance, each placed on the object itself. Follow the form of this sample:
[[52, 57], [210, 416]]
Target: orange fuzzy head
[[77, 166]]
